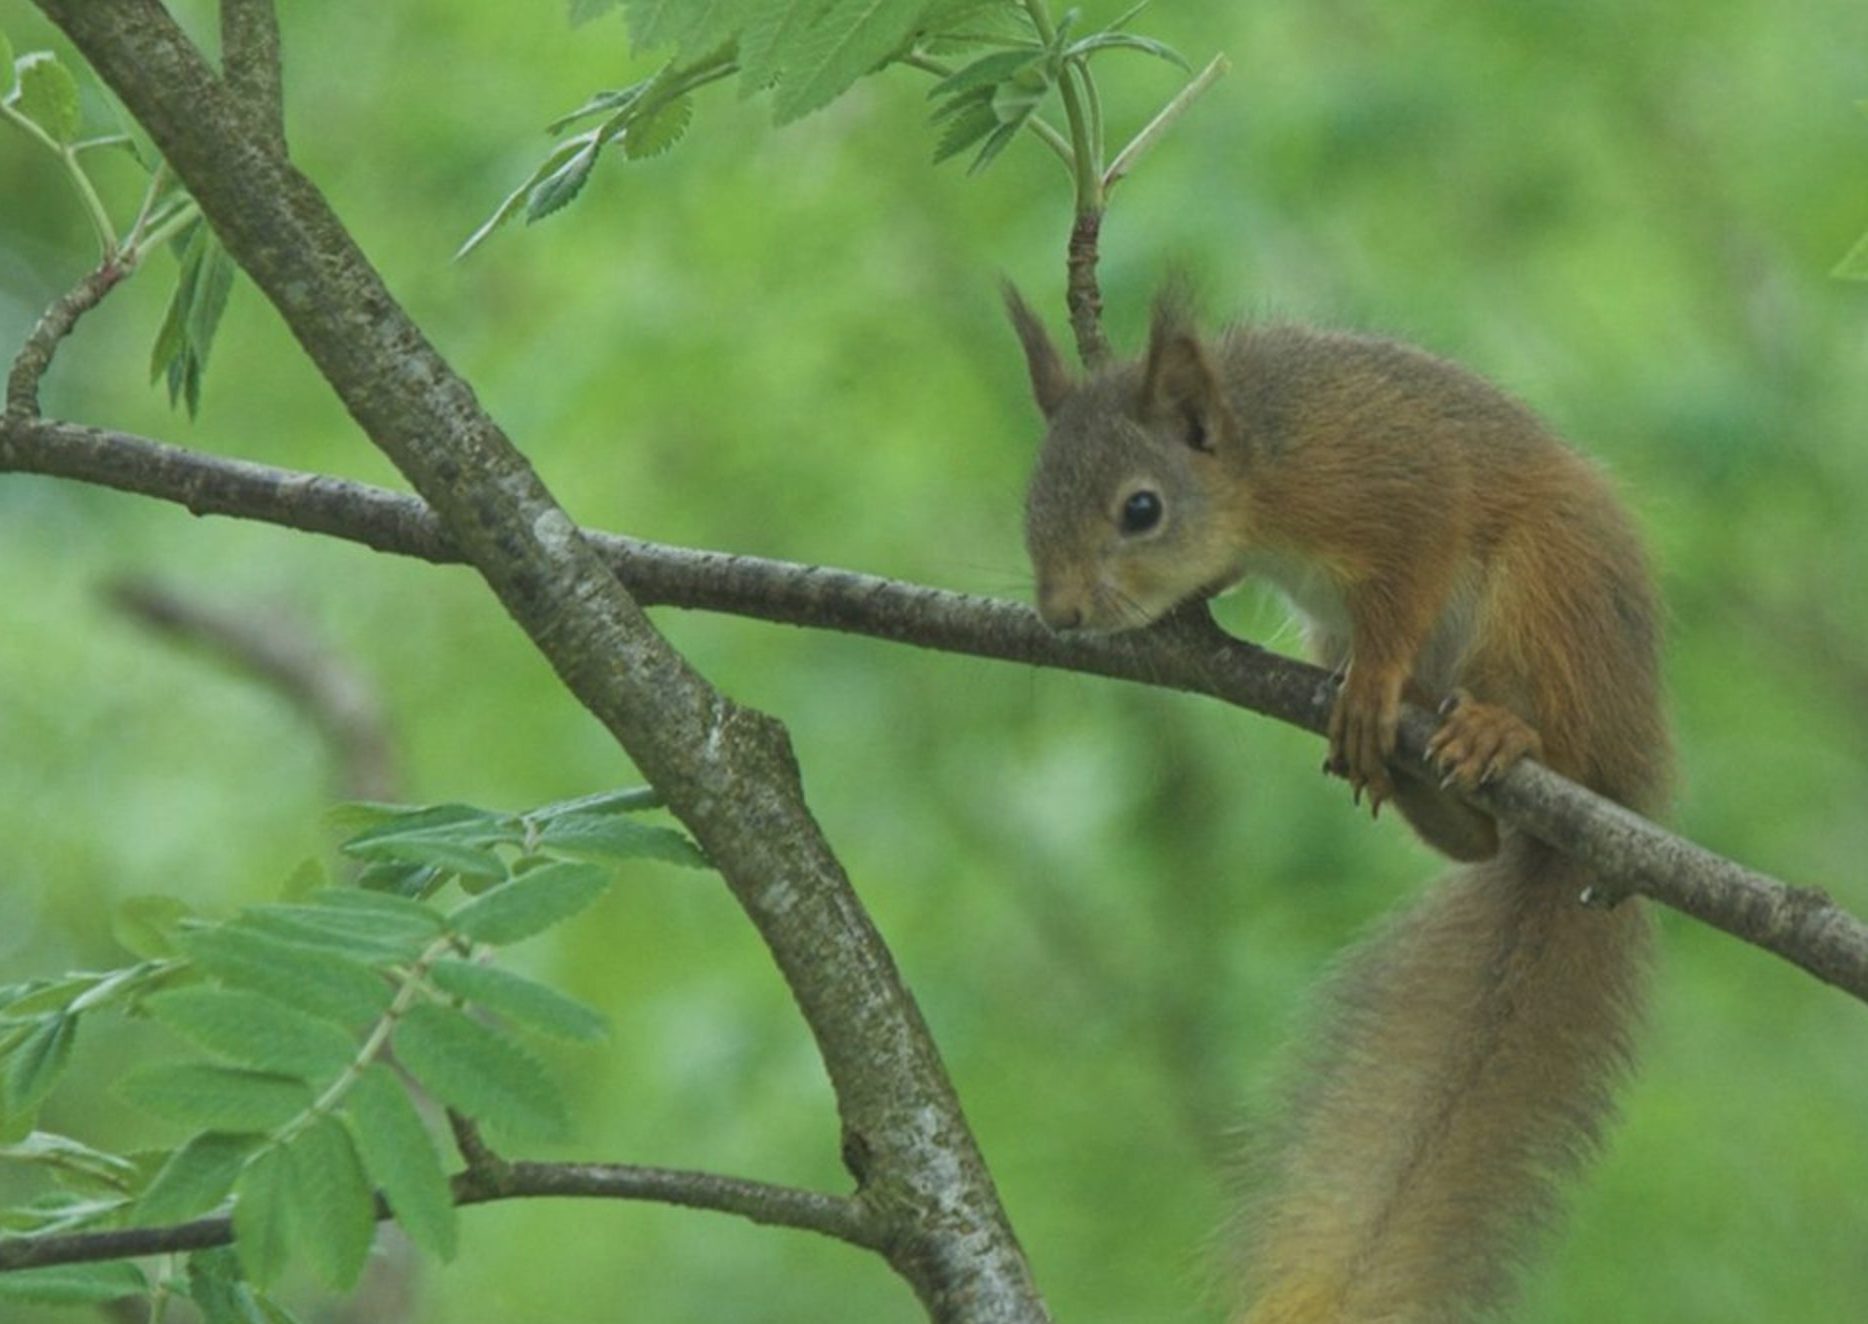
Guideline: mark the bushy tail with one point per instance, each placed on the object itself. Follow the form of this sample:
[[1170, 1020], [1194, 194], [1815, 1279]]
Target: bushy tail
[[1465, 1063]]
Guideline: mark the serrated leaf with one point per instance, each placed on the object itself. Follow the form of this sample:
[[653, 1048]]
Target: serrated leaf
[[555, 191], [256, 1032], [986, 71], [373, 937], [262, 1215], [146, 925], [214, 1097], [603, 838], [218, 1290], [433, 852], [72, 1160], [530, 903], [188, 327], [628, 799], [74, 1284], [399, 1155], [994, 144], [35, 1066], [846, 41], [521, 1000], [691, 27], [197, 1177], [600, 103], [1854, 264], [48, 95], [322, 983], [582, 11], [333, 1206], [392, 878], [482, 1073], [467, 825], [965, 129], [654, 133], [768, 44]]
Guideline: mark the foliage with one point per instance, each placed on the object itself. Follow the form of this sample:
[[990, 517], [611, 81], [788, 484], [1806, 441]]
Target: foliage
[[43, 100], [299, 1113], [807, 53]]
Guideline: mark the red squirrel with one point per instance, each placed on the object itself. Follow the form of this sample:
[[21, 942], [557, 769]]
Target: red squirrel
[[1437, 541]]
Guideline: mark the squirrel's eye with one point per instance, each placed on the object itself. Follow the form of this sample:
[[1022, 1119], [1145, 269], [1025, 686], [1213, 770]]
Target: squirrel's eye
[[1141, 512]]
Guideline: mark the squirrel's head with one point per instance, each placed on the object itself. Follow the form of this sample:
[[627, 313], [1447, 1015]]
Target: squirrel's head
[[1125, 517]]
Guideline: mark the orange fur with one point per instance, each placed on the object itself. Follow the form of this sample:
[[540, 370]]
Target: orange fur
[[1439, 541]]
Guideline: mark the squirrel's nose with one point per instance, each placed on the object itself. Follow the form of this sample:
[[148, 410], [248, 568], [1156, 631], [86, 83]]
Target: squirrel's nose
[[1059, 610]]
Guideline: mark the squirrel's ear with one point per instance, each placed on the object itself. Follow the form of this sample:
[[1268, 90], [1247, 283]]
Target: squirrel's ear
[[1179, 381], [1050, 383]]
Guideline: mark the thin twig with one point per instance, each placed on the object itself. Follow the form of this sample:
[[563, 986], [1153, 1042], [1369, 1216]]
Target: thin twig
[[1151, 132], [842, 1217], [35, 356], [1801, 925]]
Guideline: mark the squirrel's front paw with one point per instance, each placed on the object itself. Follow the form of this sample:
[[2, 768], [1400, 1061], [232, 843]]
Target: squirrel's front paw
[[1362, 731], [1478, 742]]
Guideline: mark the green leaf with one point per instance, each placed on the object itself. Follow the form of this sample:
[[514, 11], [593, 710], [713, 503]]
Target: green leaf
[[986, 71], [769, 44], [654, 133], [556, 189], [692, 27], [438, 835], [399, 1155], [73, 1161], [218, 1290], [197, 1177], [1854, 264], [1105, 41], [372, 934], [967, 128], [519, 999], [188, 327], [530, 903], [42, 995], [34, 1067], [74, 1284], [627, 799], [322, 983], [480, 1072], [333, 1206], [262, 1215], [146, 925], [602, 837], [61, 1211], [846, 41], [601, 103], [48, 95], [582, 11], [215, 1097], [254, 1031]]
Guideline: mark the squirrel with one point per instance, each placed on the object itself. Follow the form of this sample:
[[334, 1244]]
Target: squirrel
[[1438, 542]]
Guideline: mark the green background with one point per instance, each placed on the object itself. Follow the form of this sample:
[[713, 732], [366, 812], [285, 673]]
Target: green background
[[1110, 901]]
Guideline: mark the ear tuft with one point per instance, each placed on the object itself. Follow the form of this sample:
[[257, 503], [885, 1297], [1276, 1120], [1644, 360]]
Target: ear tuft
[[1050, 382], [1179, 380]]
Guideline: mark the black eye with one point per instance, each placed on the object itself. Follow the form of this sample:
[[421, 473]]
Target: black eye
[[1141, 512]]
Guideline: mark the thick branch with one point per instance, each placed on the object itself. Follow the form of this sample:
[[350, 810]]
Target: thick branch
[[251, 64], [727, 772], [838, 1216], [1799, 924]]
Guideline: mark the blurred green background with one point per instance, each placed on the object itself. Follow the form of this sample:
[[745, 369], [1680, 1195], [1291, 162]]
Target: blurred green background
[[1110, 901]]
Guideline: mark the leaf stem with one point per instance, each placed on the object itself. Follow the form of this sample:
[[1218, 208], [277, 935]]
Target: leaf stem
[[1152, 131]]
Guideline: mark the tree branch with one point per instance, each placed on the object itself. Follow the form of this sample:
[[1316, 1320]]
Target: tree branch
[[1188, 653], [315, 681], [35, 356], [842, 1217], [726, 771], [251, 63]]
